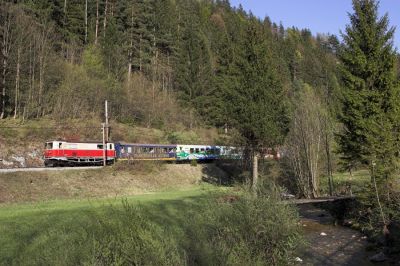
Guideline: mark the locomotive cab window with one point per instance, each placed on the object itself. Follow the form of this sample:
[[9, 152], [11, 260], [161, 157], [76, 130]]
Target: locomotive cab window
[[99, 146], [49, 146], [191, 150]]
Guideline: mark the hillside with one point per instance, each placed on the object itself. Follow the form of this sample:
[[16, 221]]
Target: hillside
[[117, 181], [21, 144], [159, 63]]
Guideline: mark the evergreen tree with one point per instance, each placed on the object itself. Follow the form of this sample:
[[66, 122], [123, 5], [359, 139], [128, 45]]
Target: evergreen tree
[[256, 99], [370, 93], [193, 70]]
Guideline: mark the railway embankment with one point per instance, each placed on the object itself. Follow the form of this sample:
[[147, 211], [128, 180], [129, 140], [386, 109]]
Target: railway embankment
[[116, 181], [22, 143]]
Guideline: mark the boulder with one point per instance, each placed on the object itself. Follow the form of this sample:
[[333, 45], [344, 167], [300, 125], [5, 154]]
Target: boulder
[[380, 257]]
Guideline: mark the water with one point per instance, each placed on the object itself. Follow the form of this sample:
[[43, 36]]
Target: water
[[339, 246]]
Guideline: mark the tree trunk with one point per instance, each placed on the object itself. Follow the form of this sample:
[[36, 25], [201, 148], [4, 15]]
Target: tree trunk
[[86, 20], [97, 23], [41, 77], [5, 49], [351, 178], [140, 53], [130, 52], [3, 85], [105, 19], [329, 164], [378, 199], [17, 83], [65, 7], [255, 171], [65, 12], [42, 69]]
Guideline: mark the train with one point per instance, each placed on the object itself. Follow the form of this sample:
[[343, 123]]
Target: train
[[67, 153]]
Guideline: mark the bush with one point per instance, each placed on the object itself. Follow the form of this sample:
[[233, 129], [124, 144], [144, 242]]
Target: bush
[[250, 231], [193, 163], [128, 238]]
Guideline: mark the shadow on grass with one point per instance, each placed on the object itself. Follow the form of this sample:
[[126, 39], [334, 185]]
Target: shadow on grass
[[48, 236]]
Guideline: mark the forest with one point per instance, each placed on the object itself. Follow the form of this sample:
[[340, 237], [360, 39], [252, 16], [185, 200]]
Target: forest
[[328, 103], [156, 61], [166, 64], [187, 63]]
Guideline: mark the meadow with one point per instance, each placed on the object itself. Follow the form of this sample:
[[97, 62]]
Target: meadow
[[203, 225]]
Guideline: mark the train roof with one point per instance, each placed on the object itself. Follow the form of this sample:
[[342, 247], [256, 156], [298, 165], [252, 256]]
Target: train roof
[[147, 145], [80, 141]]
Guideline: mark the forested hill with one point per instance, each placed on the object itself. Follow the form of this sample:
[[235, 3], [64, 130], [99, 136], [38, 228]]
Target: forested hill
[[158, 62]]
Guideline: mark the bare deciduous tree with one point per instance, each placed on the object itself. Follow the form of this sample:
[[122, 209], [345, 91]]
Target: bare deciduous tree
[[96, 35], [305, 141], [5, 35]]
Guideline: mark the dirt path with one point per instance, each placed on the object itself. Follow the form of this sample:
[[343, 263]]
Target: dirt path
[[340, 245]]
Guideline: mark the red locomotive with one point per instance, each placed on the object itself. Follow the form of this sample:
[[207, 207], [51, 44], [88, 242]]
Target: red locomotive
[[64, 153]]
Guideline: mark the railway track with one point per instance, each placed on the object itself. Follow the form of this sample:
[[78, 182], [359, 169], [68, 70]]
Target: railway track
[[41, 169]]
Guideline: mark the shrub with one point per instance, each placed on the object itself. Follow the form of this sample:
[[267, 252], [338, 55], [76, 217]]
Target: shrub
[[250, 231], [128, 238], [193, 163]]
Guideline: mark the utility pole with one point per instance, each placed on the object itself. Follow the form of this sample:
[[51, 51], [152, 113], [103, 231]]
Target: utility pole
[[106, 121], [255, 171], [103, 125]]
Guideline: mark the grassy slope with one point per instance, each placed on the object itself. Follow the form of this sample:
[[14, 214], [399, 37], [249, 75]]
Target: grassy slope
[[26, 228], [119, 180], [90, 129]]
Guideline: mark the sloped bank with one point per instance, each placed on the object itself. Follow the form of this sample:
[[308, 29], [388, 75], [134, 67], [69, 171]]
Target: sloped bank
[[115, 181]]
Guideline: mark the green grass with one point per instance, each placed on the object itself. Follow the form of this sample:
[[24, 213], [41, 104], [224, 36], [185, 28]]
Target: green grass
[[343, 182], [38, 208], [27, 228], [197, 226]]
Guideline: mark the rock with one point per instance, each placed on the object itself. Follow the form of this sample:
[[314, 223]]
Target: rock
[[380, 257], [287, 196], [298, 259], [7, 163], [323, 234], [20, 160], [347, 222]]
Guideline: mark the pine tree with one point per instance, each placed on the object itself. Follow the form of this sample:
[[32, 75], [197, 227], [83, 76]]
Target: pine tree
[[370, 93], [193, 70], [256, 100]]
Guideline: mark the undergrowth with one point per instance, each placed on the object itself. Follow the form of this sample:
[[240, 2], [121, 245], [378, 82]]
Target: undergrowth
[[214, 229]]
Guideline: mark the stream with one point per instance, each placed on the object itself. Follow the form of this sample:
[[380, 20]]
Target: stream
[[330, 244]]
